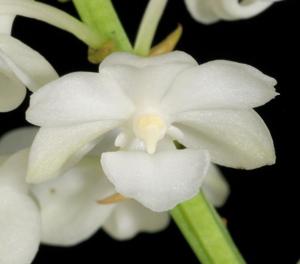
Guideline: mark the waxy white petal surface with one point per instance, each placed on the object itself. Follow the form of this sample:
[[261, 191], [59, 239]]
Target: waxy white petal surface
[[56, 149], [219, 84], [234, 138], [159, 181], [79, 98], [146, 80]]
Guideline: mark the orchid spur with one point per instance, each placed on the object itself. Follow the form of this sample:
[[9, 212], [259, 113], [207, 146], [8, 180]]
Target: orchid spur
[[150, 102]]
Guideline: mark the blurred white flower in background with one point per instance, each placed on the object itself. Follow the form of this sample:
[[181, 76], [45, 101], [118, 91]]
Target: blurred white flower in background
[[211, 11], [20, 67], [19, 214], [150, 102], [61, 212]]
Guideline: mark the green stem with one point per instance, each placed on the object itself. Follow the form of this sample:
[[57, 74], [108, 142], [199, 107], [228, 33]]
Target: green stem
[[53, 16], [148, 26], [101, 16], [205, 232]]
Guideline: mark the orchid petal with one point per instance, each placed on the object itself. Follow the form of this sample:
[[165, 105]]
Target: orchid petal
[[129, 218], [30, 67], [145, 80], [78, 98], [158, 181], [55, 149], [234, 138], [69, 211], [219, 84]]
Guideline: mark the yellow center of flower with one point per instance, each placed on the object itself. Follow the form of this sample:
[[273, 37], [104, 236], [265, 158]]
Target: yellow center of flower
[[150, 128]]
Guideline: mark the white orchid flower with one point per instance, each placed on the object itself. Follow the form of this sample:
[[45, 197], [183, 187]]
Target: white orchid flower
[[207, 108], [20, 67], [211, 11]]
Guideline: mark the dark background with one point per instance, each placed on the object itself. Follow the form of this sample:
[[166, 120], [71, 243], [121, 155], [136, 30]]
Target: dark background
[[262, 210]]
